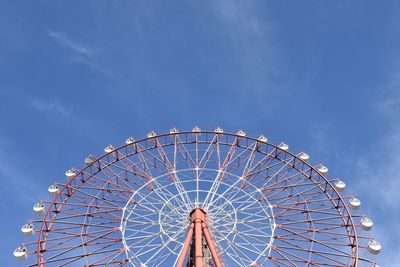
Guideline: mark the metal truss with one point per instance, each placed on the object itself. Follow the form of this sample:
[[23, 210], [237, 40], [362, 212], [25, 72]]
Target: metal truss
[[255, 204]]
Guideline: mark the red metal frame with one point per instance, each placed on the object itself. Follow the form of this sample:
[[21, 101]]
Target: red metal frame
[[308, 210]]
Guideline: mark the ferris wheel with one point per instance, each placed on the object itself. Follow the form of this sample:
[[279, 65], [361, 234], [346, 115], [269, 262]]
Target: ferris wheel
[[198, 198]]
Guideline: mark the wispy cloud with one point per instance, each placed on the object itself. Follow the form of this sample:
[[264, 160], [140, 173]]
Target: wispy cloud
[[49, 106], [240, 17], [94, 66], [81, 53], [75, 46], [379, 180], [12, 178], [251, 44], [379, 173], [250, 34], [388, 170], [374, 177]]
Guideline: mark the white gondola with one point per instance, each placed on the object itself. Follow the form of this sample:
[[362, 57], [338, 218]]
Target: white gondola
[[374, 247], [70, 173], [219, 130], [39, 208], [173, 131], [241, 133], [109, 149], [262, 138], [340, 185], [54, 190], [129, 140], [20, 253], [355, 203], [27, 229], [151, 134], [90, 159], [196, 129], [323, 170], [283, 146], [304, 156], [366, 224]]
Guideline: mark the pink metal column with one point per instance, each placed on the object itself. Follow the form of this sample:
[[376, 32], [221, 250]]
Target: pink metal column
[[211, 246], [199, 243], [185, 247], [198, 225]]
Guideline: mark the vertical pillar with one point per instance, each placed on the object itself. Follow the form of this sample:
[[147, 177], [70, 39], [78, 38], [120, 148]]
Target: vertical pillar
[[185, 247], [198, 229], [199, 243], [211, 246]]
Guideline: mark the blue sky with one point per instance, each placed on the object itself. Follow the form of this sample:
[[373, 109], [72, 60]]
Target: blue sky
[[324, 76]]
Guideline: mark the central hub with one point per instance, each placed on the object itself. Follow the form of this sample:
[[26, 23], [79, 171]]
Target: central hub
[[198, 215], [165, 212]]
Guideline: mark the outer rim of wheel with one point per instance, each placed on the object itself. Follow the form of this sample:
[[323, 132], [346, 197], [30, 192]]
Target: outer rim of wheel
[[348, 222]]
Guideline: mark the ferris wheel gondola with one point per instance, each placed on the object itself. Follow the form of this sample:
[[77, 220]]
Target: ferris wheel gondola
[[198, 198]]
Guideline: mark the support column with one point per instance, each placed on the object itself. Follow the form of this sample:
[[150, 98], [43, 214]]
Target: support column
[[211, 246], [198, 243], [198, 228], [185, 247]]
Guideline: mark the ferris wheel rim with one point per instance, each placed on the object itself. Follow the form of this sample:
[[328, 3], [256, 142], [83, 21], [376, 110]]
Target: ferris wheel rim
[[348, 222]]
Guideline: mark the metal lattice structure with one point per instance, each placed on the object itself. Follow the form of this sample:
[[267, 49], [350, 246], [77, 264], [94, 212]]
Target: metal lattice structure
[[198, 198]]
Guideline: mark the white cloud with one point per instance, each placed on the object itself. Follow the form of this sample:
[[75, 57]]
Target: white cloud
[[374, 177], [389, 169], [49, 106], [13, 180], [251, 33], [81, 53], [241, 16], [379, 174], [77, 47], [93, 66]]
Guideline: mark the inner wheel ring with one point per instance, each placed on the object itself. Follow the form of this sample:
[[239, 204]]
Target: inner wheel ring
[[307, 217], [232, 202]]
